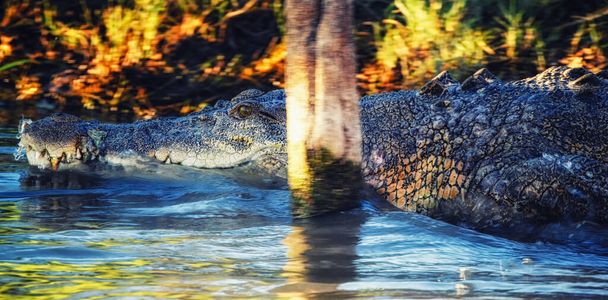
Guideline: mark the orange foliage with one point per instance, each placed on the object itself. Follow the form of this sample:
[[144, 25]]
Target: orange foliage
[[591, 58], [5, 47], [375, 78], [146, 56], [273, 62], [28, 87]]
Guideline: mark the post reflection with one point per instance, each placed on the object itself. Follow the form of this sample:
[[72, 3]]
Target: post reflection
[[322, 254]]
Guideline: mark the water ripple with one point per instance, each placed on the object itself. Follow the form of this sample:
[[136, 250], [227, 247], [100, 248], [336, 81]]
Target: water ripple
[[176, 233]]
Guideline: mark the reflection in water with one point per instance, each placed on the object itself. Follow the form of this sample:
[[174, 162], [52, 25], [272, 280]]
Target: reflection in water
[[36, 179], [321, 253], [332, 241], [68, 278], [175, 233]]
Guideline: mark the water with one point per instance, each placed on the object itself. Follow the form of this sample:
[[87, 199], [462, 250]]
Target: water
[[168, 232]]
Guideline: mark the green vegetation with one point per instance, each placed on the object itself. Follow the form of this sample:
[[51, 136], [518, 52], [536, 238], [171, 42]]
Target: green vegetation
[[424, 37], [418, 39], [154, 57]]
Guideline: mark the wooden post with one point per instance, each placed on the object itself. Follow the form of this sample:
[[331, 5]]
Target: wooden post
[[323, 126]]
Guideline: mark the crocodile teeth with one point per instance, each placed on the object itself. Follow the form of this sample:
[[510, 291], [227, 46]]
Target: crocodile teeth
[[78, 154], [54, 163], [162, 154]]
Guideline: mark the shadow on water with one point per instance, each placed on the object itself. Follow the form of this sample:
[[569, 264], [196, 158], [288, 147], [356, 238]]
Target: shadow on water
[[166, 197]]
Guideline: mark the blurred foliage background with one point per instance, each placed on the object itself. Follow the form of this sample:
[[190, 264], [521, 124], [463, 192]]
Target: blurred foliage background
[[148, 58]]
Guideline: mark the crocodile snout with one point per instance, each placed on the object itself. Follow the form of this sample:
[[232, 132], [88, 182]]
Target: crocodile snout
[[54, 141]]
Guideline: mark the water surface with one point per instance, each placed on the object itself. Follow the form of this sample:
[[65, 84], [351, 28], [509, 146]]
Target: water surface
[[169, 232]]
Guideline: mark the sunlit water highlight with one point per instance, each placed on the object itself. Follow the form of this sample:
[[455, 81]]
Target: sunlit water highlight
[[174, 233]]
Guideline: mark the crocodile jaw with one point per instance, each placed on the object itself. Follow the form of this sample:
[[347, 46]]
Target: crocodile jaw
[[45, 150]]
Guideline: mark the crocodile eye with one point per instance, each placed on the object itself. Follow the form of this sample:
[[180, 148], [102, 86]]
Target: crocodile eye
[[244, 111]]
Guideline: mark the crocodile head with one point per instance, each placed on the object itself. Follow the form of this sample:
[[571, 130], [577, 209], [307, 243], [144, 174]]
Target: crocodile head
[[248, 130]]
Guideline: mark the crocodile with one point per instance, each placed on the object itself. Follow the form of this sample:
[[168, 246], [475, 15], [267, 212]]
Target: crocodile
[[483, 153]]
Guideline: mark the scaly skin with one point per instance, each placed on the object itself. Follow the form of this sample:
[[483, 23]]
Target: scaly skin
[[482, 153], [491, 154], [217, 137]]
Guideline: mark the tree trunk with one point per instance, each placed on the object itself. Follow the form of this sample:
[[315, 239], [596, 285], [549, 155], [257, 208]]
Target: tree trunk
[[323, 129]]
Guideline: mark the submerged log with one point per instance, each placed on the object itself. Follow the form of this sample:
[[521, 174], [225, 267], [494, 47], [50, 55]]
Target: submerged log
[[323, 129]]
